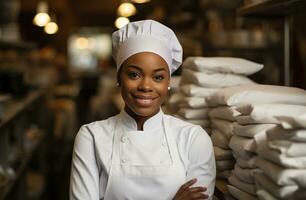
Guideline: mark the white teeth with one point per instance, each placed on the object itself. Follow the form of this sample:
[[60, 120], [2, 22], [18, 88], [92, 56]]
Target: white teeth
[[144, 101]]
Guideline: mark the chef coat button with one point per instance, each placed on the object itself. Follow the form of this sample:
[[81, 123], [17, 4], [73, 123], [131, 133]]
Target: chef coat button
[[164, 144], [123, 139], [123, 161]]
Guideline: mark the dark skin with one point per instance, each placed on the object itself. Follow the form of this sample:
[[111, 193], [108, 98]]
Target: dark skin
[[144, 80]]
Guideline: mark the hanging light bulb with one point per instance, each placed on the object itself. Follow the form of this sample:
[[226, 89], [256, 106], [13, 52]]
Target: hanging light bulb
[[121, 21], [41, 18], [126, 10], [141, 1], [51, 28]]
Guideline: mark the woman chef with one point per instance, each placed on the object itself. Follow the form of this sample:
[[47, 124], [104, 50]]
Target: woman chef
[[142, 153]]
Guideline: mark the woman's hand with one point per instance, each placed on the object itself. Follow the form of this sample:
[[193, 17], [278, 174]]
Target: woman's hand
[[186, 192]]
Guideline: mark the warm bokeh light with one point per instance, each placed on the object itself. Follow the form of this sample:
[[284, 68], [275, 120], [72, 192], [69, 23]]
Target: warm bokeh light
[[82, 43], [121, 21], [141, 1], [126, 10], [92, 43], [51, 28], [41, 19]]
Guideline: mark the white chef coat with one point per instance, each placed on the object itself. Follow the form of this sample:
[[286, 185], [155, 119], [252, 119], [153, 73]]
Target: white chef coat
[[94, 147]]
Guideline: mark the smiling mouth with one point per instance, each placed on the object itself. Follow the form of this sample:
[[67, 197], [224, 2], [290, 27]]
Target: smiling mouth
[[144, 101]]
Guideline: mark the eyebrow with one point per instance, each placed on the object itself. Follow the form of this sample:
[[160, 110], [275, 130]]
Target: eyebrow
[[138, 68], [134, 66]]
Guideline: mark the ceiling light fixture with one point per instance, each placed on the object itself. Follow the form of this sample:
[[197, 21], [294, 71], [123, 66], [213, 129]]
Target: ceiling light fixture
[[141, 1], [126, 10], [51, 28], [42, 17]]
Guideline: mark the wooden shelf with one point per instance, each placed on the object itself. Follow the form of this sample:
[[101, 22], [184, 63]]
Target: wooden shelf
[[241, 48], [17, 106], [16, 44], [271, 8]]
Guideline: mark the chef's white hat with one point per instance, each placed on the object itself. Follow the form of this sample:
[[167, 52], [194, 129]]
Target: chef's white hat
[[147, 36]]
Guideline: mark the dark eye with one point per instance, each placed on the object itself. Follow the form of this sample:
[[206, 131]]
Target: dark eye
[[159, 77], [133, 75]]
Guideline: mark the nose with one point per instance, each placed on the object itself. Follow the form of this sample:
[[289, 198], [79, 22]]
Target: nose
[[145, 85]]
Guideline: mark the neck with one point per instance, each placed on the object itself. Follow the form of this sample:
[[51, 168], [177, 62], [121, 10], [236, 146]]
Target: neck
[[140, 120]]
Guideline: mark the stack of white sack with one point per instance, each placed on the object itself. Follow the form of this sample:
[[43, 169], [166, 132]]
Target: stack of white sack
[[202, 77], [171, 107], [222, 131], [282, 159], [252, 110]]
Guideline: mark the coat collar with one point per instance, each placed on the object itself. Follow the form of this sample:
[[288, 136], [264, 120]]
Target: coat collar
[[129, 124]]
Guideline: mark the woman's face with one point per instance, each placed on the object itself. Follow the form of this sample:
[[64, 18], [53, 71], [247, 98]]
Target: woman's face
[[144, 79]]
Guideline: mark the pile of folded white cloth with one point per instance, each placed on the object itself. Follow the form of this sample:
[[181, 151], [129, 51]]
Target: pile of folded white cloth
[[222, 131], [202, 77], [282, 159], [189, 107], [171, 102], [252, 110]]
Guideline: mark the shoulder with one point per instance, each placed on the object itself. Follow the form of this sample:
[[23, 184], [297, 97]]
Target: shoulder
[[192, 140], [98, 129], [186, 131], [184, 128]]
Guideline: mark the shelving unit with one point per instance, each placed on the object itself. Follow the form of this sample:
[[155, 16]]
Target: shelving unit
[[270, 8], [17, 118], [21, 169], [277, 9], [16, 44], [241, 48], [267, 10], [17, 107]]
